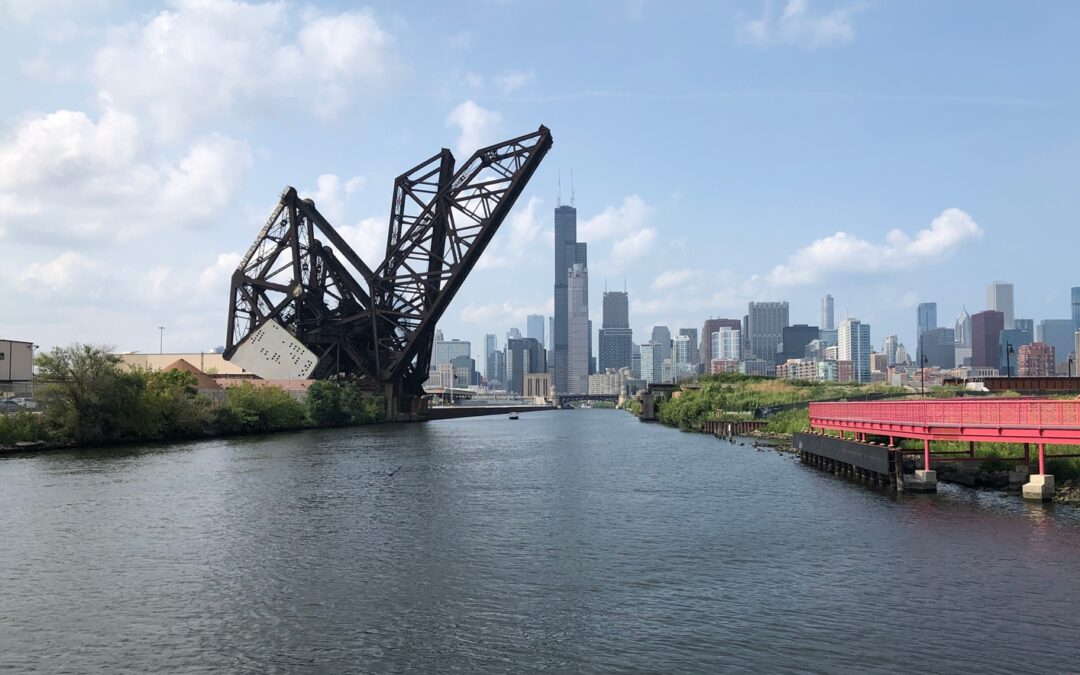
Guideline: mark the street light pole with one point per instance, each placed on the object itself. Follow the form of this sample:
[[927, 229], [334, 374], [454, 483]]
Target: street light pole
[[922, 370], [161, 339], [33, 375], [1008, 363]]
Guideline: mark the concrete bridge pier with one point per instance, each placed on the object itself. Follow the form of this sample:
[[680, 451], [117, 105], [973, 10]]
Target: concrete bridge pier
[[925, 479], [1040, 487]]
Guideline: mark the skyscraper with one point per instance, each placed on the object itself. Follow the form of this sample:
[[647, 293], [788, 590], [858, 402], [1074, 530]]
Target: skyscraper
[[694, 349], [534, 328], [489, 360], [926, 319], [1075, 297], [1058, 333], [726, 344], [1010, 340], [962, 329], [854, 338], [986, 328], [795, 339], [616, 337], [939, 345], [685, 361], [711, 326], [651, 366], [661, 337], [999, 296], [891, 343], [827, 313], [578, 341], [568, 252], [765, 323]]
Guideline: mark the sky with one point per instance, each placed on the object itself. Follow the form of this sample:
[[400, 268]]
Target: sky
[[886, 152]]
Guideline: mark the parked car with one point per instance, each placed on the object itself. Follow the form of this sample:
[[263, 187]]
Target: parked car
[[8, 405]]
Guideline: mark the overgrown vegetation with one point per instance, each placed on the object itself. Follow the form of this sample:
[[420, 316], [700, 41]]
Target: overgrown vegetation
[[89, 399], [736, 393]]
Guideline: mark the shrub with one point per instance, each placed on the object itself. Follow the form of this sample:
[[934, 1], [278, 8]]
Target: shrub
[[252, 409]]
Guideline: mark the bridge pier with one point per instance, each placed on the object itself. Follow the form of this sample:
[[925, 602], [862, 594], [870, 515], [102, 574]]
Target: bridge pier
[[1040, 487], [925, 479]]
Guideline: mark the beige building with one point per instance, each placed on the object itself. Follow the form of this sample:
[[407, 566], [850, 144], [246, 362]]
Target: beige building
[[536, 385], [211, 363], [609, 383]]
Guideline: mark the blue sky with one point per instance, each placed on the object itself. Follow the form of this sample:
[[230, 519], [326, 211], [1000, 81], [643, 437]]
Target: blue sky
[[886, 152]]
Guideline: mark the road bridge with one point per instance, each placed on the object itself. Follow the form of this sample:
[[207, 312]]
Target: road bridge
[[562, 400], [1038, 422]]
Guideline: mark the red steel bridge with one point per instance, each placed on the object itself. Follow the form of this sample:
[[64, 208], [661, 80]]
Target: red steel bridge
[[1039, 422]]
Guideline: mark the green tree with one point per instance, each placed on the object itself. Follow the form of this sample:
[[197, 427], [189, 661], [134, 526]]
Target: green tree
[[89, 399], [324, 408], [253, 409]]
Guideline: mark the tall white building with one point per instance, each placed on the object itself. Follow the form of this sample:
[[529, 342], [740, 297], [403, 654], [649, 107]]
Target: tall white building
[[651, 363], [854, 338], [890, 346], [577, 347], [685, 361], [999, 296], [827, 321], [962, 329], [727, 344]]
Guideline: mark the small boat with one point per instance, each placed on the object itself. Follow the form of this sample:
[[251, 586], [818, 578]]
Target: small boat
[[513, 416]]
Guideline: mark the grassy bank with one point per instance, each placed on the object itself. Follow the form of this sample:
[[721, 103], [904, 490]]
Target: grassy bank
[[734, 396], [89, 399]]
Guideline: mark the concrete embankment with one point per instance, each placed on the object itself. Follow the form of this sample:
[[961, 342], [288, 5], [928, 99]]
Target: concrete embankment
[[455, 412]]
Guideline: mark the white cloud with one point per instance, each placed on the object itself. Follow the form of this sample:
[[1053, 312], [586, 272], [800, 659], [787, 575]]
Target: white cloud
[[632, 247], [615, 221], [674, 278], [66, 272], [478, 127], [65, 177], [216, 277], [368, 239], [798, 25], [204, 57], [846, 254], [521, 243], [494, 312], [511, 80]]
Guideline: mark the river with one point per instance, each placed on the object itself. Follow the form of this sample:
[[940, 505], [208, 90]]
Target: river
[[564, 541]]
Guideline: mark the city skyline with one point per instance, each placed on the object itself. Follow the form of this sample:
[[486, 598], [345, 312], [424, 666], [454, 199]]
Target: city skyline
[[105, 246]]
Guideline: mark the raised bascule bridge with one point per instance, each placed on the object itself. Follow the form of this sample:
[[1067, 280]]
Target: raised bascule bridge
[[304, 305]]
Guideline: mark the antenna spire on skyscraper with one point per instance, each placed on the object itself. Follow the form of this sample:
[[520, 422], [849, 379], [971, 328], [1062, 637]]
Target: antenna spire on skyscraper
[[558, 191], [572, 200]]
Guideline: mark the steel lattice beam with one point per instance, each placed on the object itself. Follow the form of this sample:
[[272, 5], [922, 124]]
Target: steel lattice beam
[[377, 326]]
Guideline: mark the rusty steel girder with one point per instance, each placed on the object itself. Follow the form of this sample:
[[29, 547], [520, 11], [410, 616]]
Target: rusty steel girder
[[377, 326]]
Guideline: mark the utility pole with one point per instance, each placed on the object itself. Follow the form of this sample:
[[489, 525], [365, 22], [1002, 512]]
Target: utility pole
[[161, 339]]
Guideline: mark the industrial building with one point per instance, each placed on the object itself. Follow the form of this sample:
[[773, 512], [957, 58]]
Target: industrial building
[[16, 367]]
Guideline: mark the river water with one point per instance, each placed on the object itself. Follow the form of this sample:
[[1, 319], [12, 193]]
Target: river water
[[565, 541]]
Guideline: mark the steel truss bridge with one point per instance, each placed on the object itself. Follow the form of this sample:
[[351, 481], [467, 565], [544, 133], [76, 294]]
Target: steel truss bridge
[[303, 304]]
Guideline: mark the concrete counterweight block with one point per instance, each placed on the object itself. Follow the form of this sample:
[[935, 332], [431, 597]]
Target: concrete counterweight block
[[922, 481], [1040, 488]]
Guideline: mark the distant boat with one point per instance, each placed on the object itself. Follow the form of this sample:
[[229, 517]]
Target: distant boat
[[513, 416]]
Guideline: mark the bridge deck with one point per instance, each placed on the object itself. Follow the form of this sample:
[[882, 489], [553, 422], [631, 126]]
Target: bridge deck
[[1003, 420]]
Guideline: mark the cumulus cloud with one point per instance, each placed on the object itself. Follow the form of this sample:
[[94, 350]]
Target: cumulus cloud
[[217, 276], [674, 278], [845, 254], [616, 221], [368, 239], [203, 57], [478, 127], [518, 241], [65, 272], [632, 247], [65, 177], [797, 24], [494, 312]]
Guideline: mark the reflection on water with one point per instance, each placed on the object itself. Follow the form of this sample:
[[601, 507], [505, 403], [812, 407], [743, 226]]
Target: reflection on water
[[563, 541]]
